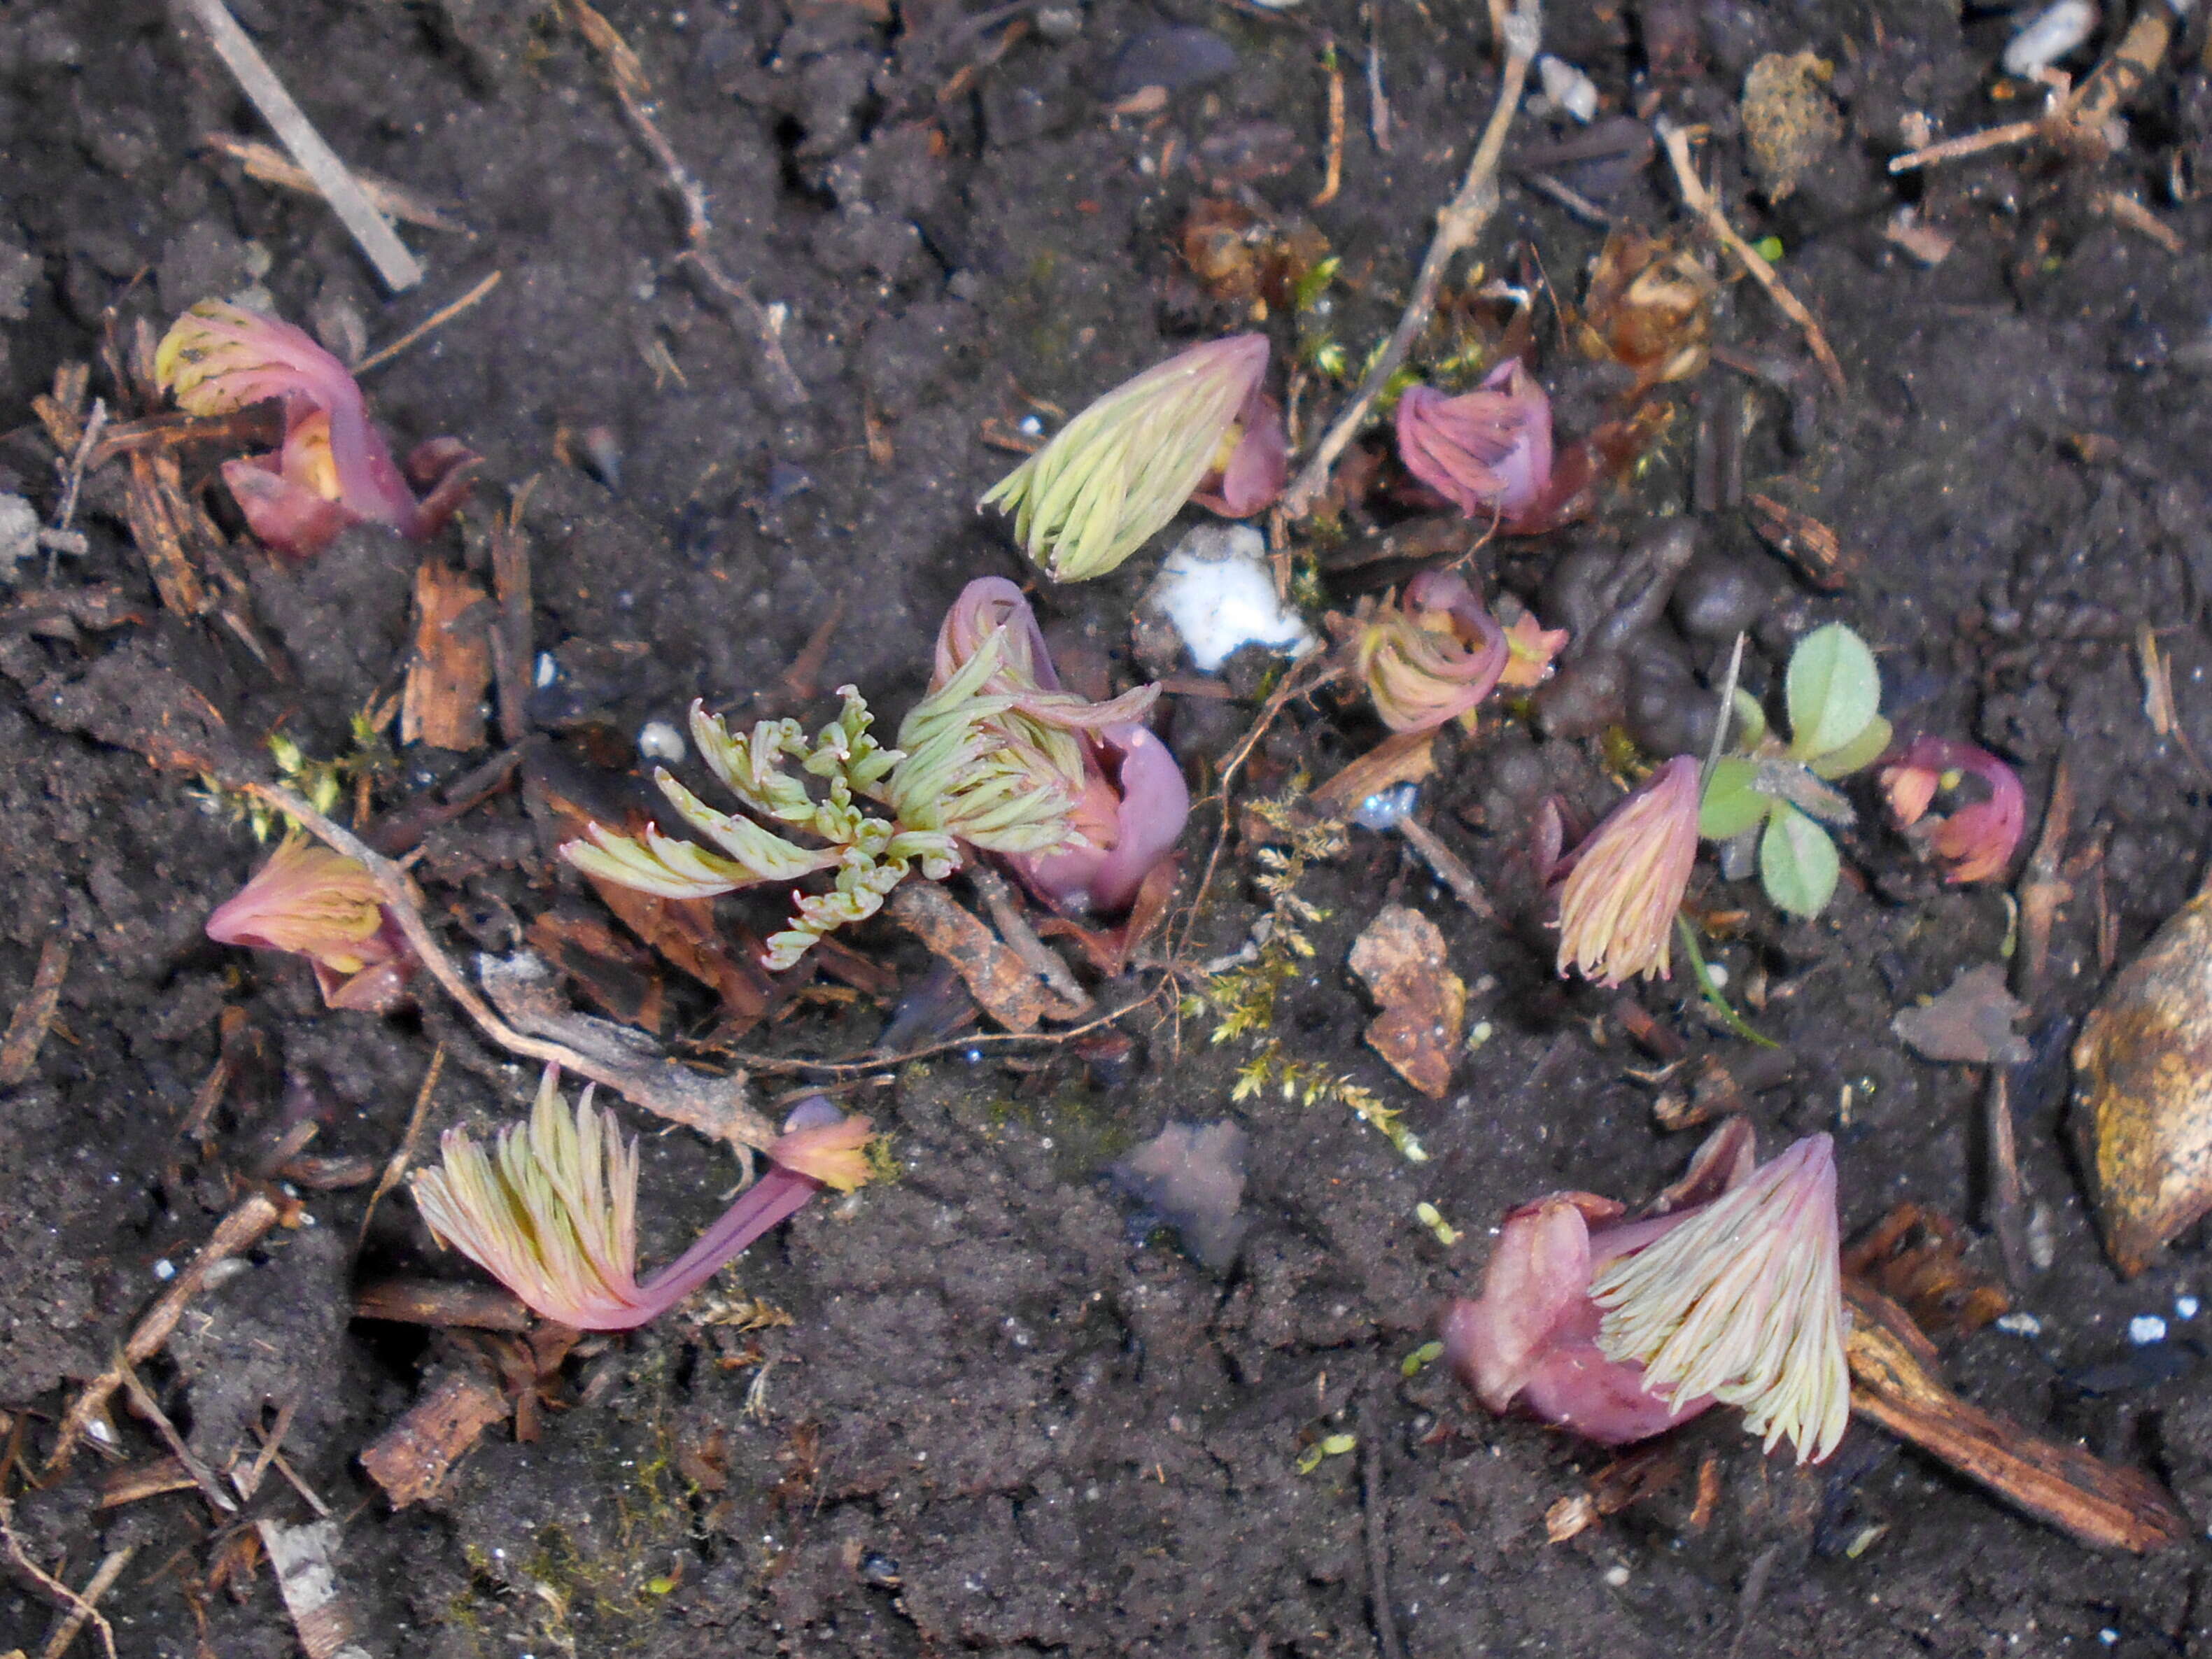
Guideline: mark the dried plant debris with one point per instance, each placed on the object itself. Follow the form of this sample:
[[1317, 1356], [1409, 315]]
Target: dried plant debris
[[1789, 117], [2143, 1069], [1401, 957], [1971, 1022], [1192, 1177], [1918, 1258]]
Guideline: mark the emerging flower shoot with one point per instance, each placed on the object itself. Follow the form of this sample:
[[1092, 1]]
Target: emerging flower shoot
[[1617, 904], [551, 1213], [334, 468], [323, 906], [1621, 1329], [1743, 1303], [1976, 841], [1127, 800], [1488, 451], [1433, 658], [1198, 424]]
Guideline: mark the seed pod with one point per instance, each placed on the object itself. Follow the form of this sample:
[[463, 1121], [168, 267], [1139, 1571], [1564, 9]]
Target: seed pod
[[2143, 1069]]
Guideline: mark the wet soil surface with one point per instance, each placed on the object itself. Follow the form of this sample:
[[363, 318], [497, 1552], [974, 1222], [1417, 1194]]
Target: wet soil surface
[[1007, 1417]]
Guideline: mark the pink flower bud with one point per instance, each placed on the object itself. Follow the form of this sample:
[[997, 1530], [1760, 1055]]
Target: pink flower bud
[[1617, 904], [334, 468], [1433, 658], [1487, 451], [322, 905], [1976, 841]]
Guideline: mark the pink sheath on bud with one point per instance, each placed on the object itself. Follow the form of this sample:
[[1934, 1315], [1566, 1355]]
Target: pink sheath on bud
[[1487, 451], [1257, 466], [1151, 803], [1977, 840]]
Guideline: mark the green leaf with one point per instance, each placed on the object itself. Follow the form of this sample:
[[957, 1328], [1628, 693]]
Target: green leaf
[[1862, 750], [1750, 724], [1797, 863], [1833, 687], [1731, 805]]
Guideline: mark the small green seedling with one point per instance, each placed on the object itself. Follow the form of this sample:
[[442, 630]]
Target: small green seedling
[[1775, 798]]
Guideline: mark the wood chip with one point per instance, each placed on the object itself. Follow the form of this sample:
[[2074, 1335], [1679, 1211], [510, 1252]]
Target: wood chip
[[1809, 547], [412, 1459], [1407, 757], [154, 503], [304, 1560], [1003, 985], [1894, 1383], [443, 705], [442, 1304], [1401, 957]]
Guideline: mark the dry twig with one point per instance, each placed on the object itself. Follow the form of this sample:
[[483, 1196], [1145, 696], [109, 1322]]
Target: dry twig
[[1457, 226], [634, 93], [1333, 170], [404, 1151], [1047, 964], [150, 1408], [712, 1106], [393, 263], [1451, 869], [83, 1603], [436, 320], [237, 1231], [1699, 200]]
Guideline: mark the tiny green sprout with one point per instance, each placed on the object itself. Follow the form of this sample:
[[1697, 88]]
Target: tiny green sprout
[[1421, 1360], [1768, 248], [1334, 1445], [1774, 796], [1306, 293], [1427, 1214]]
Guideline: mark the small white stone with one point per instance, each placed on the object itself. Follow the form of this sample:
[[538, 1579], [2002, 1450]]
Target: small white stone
[[2146, 1328], [659, 740], [2185, 1307], [1568, 87], [165, 1270], [1716, 974], [2055, 32], [2020, 1324], [1217, 592], [547, 670], [1617, 1576]]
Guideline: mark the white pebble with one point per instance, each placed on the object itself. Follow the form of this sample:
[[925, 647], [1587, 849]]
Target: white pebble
[[1217, 590], [1616, 1576], [2020, 1324], [659, 740], [2185, 1307], [1717, 976], [165, 1270], [2146, 1328], [547, 672], [2052, 34], [1568, 87]]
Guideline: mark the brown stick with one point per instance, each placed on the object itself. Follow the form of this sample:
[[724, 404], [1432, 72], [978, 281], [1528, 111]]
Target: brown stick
[[1047, 964], [436, 320], [84, 1603], [404, 1151], [150, 1408], [1699, 200], [269, 165], [1457, 226], [237, 1231], [1451, 869], [1333, 171], [719, 1114]]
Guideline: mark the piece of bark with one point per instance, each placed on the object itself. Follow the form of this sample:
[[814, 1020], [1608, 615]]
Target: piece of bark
[[440, 1302], [153, 502], [304, 1560], [412, 1459], [1916, 1258], [607, 968], [1401, 957], [443, 704], [1895, 1383], [1002, 984], [1405, 757], [1806, 545]]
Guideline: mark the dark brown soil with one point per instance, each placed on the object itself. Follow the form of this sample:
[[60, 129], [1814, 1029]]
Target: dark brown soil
[[1001, 1421]]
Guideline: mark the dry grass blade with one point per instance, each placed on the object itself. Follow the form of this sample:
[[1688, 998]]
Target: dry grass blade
[[404, 1153], [35, 1015], [269, 166], [150, 1408], [430, 324], [85, 1604], [393, 263], [153, 502]]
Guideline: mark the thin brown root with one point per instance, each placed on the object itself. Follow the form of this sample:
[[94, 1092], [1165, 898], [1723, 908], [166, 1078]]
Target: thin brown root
[[436, 320]]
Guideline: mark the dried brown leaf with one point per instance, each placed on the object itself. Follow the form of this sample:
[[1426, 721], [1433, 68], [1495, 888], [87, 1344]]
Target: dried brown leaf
[[1401, 957]]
